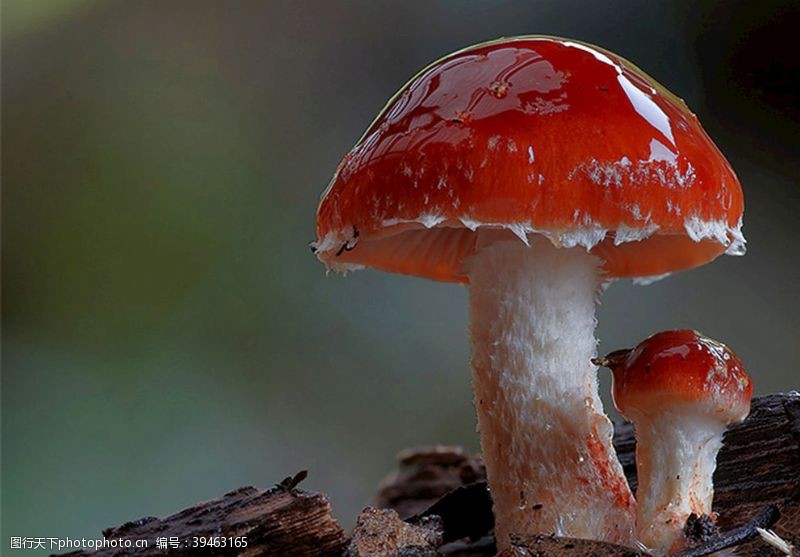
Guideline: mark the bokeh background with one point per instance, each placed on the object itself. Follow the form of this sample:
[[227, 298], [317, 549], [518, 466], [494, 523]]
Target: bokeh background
[[168, 336]]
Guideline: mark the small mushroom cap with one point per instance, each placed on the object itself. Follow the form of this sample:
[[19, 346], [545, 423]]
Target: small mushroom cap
[[531, 135], [674, 368]]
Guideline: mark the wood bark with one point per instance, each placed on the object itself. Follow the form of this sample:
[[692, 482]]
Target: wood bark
[[443, 506], [277, 521], [759, 464]]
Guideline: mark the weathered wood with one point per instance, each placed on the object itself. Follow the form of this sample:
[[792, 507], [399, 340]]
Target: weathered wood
[[758, 465], [767, 518], [424, 475], [382, 532], [552, 546], [278, 521]]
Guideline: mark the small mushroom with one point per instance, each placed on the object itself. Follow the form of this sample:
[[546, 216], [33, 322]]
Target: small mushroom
[[533, 170], [680, 390]]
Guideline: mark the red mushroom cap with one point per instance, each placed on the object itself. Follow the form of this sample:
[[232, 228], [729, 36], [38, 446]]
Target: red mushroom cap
[[531, 134], [678, 367]]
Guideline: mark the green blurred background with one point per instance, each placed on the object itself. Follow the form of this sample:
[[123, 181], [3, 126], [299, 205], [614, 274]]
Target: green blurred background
[[168, 336]]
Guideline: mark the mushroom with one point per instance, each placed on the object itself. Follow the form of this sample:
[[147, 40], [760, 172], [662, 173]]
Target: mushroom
[[680, 390], [534, 169]]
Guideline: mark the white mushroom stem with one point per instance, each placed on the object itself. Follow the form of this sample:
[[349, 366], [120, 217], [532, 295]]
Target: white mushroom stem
[[546, 442], [676, 454]]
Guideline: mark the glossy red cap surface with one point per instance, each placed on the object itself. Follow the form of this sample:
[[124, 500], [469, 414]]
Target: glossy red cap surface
[[679, 367], [533, 135]]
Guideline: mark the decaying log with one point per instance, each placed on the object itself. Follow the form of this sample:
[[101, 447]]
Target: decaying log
[[424, 475], [278, 521], [758, 465], [442, 495]]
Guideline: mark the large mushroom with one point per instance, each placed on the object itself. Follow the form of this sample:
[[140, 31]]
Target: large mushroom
[[533, 169], [681, 390]]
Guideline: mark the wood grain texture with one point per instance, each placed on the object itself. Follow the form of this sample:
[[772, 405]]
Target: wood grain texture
[[275, 522], [442, 494], [759, 464]]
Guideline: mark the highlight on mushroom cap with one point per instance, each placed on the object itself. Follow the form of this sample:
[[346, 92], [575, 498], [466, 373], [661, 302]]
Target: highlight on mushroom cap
[[531, 135]]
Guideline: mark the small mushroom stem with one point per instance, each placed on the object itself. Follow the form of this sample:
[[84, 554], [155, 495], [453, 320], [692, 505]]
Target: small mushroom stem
[[550, 463], [676, 454]]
